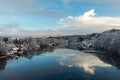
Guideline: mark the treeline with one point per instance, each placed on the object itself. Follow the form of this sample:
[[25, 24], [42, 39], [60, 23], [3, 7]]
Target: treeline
[[28, 44], [108, 41]]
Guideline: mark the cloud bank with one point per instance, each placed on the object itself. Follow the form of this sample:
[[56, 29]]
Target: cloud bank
[[90, 18], [89, 22]]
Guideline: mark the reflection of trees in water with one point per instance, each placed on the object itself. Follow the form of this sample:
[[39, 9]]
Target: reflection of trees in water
[[109, 58], [3, 63], [29, 55]]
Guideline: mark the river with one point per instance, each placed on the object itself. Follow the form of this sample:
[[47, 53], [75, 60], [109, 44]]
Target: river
[[61, 64]]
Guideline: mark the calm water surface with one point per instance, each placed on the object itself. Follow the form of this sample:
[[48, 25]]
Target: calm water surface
[[61, 64]]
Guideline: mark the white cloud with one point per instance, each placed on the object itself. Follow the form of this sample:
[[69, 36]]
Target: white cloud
[[89, 18], [19, 33], [89, 22], [89, 13], [13, 32]]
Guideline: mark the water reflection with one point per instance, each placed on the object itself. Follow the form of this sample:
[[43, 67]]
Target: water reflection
[[109, 58], [88, 62], [3, 64], [79, 59], [61, 64], [29, 55]]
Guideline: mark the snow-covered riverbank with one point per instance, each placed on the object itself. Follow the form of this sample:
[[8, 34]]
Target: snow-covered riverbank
[[107, 41]]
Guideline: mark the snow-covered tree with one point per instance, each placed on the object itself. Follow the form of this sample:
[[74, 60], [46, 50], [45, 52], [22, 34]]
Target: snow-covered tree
[[108, 41]]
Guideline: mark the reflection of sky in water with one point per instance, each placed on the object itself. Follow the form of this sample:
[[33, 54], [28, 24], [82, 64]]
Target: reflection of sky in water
[[72, 58], [62, 64]]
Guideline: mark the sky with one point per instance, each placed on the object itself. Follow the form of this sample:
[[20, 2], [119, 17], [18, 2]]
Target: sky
[[58, 17]]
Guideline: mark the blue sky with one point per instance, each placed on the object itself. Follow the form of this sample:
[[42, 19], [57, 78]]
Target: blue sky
[[57, 17]]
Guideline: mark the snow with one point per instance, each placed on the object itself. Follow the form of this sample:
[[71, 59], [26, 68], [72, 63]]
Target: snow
[[107, 41]]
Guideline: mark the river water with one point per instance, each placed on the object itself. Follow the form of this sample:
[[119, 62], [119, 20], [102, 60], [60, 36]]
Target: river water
[[61, 64]]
